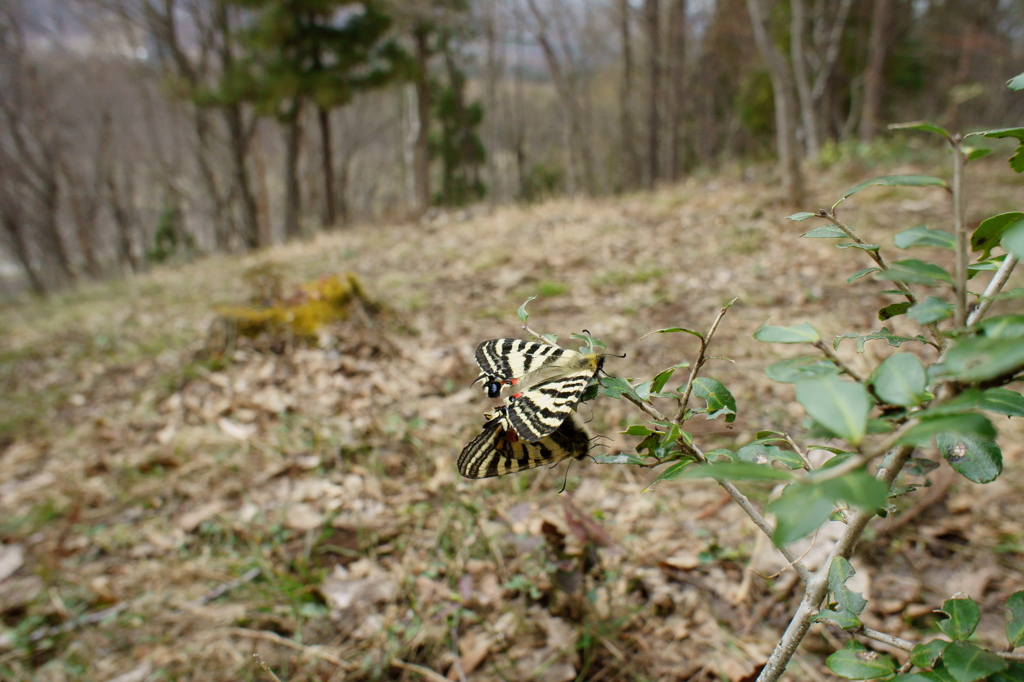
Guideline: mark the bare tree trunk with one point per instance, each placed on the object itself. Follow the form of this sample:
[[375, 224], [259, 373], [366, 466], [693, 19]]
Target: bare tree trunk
[[421, 155], [579, 150], [238, 137], [327, 164], [654, 89], [292, 196], [122, 218], [630, 163], [677, 84], [785, 116], [49, 200], [798, 25], [491, 90], [15, 233], [874, 74]]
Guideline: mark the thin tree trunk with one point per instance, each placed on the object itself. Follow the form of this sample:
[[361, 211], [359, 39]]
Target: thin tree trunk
[[327, 165], [50, 204], [119, 209], [491, 90], [654, 89], [579, 150], [421, 156], [16, 235], [798, 25], [630, 163], [677, 85], [238, 140], [292, 194], [874, 72], [785, 115]]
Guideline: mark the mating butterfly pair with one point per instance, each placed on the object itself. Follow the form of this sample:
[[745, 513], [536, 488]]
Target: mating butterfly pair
[[537, 426]]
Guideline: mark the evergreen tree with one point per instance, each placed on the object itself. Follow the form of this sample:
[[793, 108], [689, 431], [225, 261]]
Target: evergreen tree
[[319, 52]]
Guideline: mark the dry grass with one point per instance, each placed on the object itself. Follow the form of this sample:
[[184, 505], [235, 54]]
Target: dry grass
[[139, 472]]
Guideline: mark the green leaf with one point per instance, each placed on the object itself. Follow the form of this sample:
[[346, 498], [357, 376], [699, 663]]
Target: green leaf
[[922, 235], [1003, 327], [931, 309], [523, 315], [1017, 160], [969, 424], [1016, 83], [1016, 292], [760, 453], [838, 573], [1014, 672], [804, 506], [840, 406], [801, 333], [672, 472], [661, 379], [642, 391], [980, 359], [673, 330], [622, 458], [925, 655], [883, 334], [892, 310], [719, 400], [824, 232], [861, 273], [798, 217], [920, 125], [1015, 619], [1013, 240], [738, 471], [842, 618], [800, 367], [1002, 401], [974, 153], [720, 455], [862, 247], [860, 664], [962, 616], [616, 387], [917, 677], [900, 380], [967, 663], [1000, 133], [916, 272], [799, 511], [989, 233], [976, 459], [896, 181], [637, 430]]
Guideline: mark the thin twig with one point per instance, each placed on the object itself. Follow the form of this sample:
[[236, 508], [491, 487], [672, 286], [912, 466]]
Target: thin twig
[[798, 451], [959, 235], [704, 342], [266, 668], [422, 670], [817, 587], [311, 651], [246, 577], [876, 256], [74, 624], [993, 288], [831, 355]]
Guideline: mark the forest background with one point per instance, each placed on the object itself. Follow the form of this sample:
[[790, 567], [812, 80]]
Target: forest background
[[137, 130]]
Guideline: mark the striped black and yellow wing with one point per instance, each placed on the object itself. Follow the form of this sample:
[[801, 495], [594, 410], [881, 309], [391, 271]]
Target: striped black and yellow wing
[[548, 380], [498, 450], [506, 361]]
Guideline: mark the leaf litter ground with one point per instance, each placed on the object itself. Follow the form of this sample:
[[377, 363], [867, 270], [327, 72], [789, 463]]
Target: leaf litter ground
[[166, 513]]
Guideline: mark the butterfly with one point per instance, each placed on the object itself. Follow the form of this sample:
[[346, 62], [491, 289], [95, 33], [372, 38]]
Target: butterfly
[[549, 381], [498, 450]]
